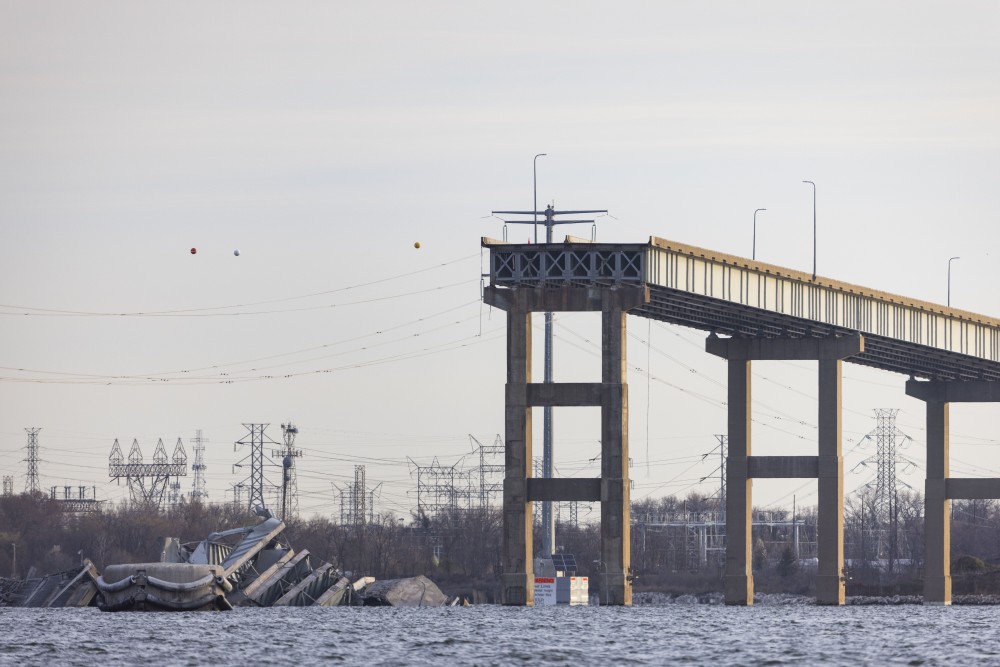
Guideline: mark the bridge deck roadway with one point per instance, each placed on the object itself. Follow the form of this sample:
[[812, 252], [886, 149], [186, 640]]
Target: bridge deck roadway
[[735, 296]]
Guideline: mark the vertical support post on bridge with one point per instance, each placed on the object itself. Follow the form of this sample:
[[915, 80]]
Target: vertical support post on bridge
[[518, 575], [830, 514], [739, 575], [610, 394], [616, 527], [827, 467], [937, 506]]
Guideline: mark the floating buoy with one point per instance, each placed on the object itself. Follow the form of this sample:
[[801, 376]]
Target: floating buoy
[[417, 244], [194, 251], [236, 252]]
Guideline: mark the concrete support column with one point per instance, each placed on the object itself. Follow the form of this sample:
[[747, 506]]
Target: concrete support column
[[830, 516], [937, 508], [739, 503], [615, 486], [827, 466], [518, 576]]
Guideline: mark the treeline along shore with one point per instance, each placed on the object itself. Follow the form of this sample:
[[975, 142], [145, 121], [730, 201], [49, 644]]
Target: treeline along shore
[[677, 543]]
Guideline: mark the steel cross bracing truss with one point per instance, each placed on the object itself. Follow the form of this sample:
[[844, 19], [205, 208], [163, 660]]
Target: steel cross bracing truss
[[735, 296], [80, 502], [147, 482], [31, 484]]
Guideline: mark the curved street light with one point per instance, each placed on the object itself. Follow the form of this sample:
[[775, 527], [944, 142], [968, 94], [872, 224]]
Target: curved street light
[[534, 201], [814, 226], [949, 279], [754, 255]]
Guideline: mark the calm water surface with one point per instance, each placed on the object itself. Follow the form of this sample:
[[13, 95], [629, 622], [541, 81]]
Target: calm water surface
[[487, 635]]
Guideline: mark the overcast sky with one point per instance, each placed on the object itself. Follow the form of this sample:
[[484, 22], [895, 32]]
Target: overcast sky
[[322, 140]]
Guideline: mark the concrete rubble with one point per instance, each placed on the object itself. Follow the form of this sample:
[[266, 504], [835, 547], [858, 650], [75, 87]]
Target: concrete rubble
[[244, 567]]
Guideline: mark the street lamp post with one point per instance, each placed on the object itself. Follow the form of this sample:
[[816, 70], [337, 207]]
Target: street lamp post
[[534, 180], [754, 255], [949, 279], [548, 520], [814, 226], [548, 517]]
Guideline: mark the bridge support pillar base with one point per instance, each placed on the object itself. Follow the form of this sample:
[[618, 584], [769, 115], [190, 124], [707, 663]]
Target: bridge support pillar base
[[515, 589], [937, 591], [739, 590], [830, 590]]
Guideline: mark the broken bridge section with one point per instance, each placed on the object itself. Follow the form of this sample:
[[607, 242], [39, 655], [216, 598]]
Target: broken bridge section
[[753, 311]]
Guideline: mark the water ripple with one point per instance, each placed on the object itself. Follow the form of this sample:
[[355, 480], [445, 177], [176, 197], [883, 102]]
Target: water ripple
[[486, 635]]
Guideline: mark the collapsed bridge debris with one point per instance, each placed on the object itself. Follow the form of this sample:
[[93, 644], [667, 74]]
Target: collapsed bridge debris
[[244, 567]]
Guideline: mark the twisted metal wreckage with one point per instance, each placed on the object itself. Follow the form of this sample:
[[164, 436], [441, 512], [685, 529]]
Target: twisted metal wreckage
[[243, 567]]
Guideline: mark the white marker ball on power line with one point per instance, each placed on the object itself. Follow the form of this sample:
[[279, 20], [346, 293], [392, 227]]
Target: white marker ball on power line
[[236, 252]]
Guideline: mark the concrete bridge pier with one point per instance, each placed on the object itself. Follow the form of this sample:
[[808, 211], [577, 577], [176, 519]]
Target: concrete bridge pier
[[611, 489], [940, 488], [742, 466]]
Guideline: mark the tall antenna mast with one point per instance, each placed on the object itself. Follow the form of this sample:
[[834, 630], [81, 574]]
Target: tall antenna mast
[[548, 518], [289, 478], [31, 484]]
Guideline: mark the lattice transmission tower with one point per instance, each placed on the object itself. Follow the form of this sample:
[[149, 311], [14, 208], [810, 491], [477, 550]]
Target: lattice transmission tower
[[8, 485], [147, 482], [199, 489], [722, 448], [259, 483], [31, 484], [883, 515], [490, 471], [357, 501], [441, 489]]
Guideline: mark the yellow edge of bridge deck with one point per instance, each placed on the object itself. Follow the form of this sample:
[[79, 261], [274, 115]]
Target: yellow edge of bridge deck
[[773, 269]]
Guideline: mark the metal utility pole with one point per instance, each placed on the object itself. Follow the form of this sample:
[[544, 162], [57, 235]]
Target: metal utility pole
[[289, 478], [199, 493], [548, 518], [31, 484]]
